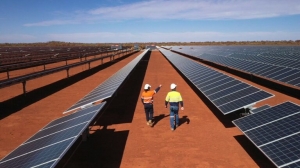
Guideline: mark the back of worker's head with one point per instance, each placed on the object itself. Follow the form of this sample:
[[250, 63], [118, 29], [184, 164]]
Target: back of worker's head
[[173, 86], [147, 87]]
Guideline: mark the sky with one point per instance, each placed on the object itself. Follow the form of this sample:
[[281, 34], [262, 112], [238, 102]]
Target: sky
[[129, 21]]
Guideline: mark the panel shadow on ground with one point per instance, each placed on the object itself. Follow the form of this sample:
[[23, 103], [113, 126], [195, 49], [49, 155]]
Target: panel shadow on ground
[[104, 148]]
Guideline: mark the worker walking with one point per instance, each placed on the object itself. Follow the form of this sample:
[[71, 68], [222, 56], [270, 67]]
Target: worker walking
[[174, 99], [147, 100]]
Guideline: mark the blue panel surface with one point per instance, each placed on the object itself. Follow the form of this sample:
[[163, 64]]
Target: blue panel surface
[[210, 81], [51, 142], [244, 101], [235, 95], [38, 157], [268, 115], [283, 151], [274, 130]]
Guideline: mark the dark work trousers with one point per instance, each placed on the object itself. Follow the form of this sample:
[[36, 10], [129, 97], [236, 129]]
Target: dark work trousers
[[149, 111]]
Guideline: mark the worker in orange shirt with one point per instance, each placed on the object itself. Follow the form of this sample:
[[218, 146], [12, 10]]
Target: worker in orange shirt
[[147, 100]]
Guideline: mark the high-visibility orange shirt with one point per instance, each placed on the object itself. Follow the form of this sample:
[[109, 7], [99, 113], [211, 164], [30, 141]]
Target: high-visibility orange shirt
[[148, 96]]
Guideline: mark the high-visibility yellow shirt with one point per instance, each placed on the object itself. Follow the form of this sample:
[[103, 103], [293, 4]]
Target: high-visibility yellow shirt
[[173, 96]]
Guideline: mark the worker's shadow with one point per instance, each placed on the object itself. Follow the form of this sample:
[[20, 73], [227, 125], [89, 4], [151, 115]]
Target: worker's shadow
[[156, 119], [184, 119]]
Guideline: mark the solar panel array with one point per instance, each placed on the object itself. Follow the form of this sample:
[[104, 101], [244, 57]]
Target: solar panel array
[[108, 87], [276, 132], [225, 92], [48, 146], [276, 63]]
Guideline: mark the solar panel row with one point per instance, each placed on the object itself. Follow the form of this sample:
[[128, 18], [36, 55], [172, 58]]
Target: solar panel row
[[48, 146], [109, 86], [281, 67], [226, 93], [276, 132]]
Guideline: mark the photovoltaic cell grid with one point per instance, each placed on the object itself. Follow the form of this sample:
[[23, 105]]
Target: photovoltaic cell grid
[[109, 86], [276, 132], [293, 165], [48, 146], [266, 116], [277, 63], [226, 93]]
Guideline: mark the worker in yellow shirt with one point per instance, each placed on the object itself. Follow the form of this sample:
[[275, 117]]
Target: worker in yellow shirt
[[174, 99], [147, 100]]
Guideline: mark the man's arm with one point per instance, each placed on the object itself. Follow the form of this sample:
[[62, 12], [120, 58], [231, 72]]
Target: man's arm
[[181, 104], [167, 100], [166, 103], [157, 89]]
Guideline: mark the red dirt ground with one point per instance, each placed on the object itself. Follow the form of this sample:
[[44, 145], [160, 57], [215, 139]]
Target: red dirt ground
[[121, 138]]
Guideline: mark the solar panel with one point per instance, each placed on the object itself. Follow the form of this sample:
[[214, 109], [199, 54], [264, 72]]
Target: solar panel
[[243, 102], [225, 83], [209, 82], [268, 115], [270, 62], [292, 165], [108, 87], [55, 129], [283, 151], [295, 82], [234, 95], [276, 132], [230, 89], [40, 156], [217, 86], [47, 146], [46, 140], [73, 117]]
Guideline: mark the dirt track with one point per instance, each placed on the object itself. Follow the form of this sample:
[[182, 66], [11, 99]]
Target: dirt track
[[121, 137]]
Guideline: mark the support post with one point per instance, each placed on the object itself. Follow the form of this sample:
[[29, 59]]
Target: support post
[[7, 72], [24, 87], [67, 72], [44, 67]]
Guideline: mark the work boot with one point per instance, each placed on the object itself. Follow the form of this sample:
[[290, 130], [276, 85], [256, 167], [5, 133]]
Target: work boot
[[150, 122]]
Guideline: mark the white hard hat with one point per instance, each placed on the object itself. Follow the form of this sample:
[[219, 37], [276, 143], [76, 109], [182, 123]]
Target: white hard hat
[[173, 86], [147, 86]]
